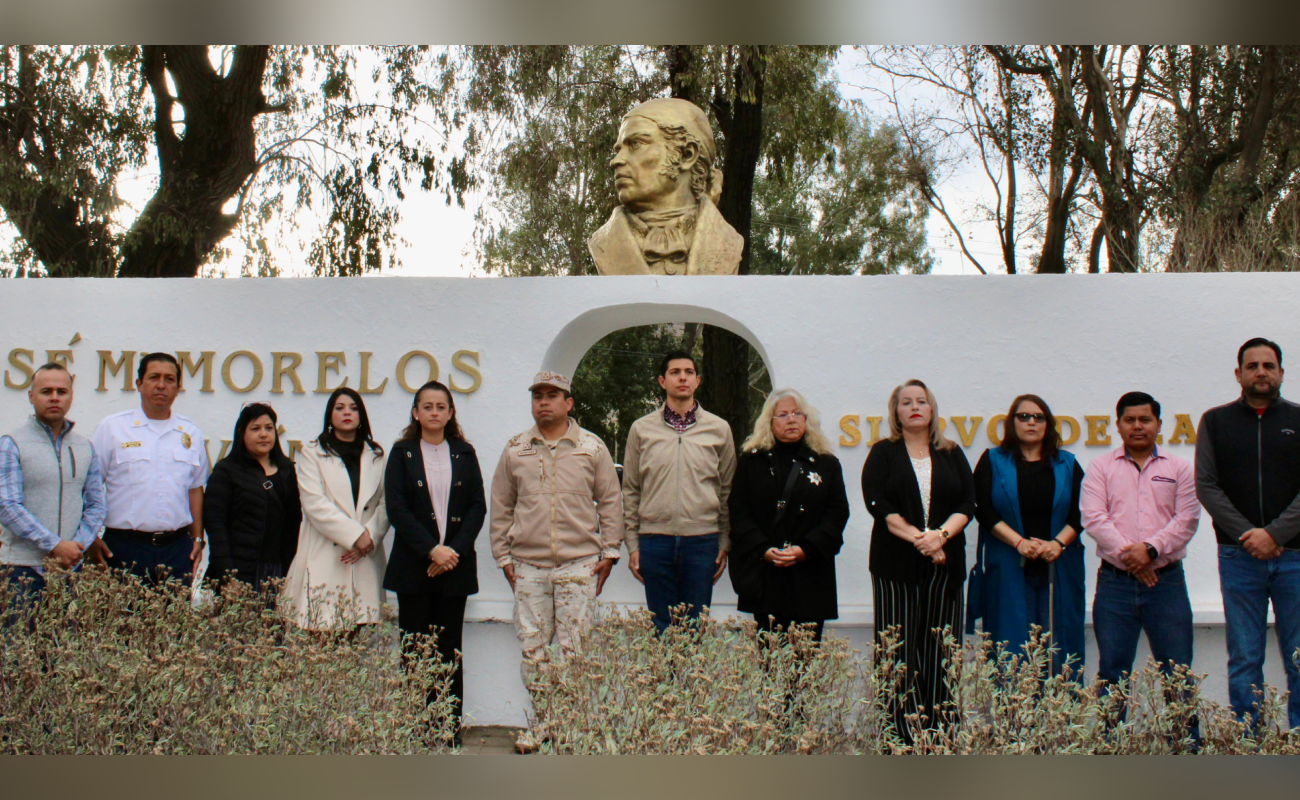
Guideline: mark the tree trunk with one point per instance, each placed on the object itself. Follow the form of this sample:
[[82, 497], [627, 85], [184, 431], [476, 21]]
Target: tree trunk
[[726, 373], [202, 170]]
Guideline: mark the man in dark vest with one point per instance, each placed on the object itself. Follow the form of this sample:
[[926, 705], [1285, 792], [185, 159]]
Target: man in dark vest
[[1248, 478], [51, 491]]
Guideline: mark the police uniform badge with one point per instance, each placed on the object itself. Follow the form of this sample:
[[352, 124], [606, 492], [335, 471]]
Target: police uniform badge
[[185, 440]]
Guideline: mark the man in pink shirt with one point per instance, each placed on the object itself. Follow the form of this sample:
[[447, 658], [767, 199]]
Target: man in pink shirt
[[1140, 506]]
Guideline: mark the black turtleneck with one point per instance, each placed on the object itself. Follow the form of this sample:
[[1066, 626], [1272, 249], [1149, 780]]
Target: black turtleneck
[[350, 452], [783, 456]]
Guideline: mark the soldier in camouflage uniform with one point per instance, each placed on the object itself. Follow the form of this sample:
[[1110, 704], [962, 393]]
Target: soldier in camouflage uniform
[[557, 523]]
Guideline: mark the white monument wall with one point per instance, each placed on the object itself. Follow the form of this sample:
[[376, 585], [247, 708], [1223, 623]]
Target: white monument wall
[[845, 342]]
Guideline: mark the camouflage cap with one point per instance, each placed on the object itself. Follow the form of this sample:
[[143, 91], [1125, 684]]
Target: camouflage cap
[[552, 379]]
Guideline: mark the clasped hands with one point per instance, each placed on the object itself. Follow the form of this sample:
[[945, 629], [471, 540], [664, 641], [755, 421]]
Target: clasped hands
[[930, 544], [442, 559], [1045, 549], [362, 547], [784, 557]]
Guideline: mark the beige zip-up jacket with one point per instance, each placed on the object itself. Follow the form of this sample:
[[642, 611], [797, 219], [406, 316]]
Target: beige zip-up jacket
[[678, 484], [549, 509]]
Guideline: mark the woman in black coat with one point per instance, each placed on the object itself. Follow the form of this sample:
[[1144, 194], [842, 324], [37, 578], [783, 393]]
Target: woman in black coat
[[250, 507], [919, 488], [433, 488], [783, 553]]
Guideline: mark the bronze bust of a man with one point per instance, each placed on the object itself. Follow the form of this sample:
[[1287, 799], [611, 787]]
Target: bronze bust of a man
[[666, 222]]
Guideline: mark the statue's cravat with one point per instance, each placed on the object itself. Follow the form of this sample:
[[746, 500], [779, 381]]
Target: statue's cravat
[[665, 236]]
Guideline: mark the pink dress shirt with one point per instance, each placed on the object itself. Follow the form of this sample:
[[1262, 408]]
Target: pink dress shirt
[[1156, 505]]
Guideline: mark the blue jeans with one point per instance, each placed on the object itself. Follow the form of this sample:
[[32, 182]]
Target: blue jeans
[[677, 570], [1124, 608], [26, 586], [149, 562], [1248, 584]]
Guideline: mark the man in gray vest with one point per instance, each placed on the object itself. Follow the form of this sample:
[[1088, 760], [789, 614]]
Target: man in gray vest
[[51, 492]]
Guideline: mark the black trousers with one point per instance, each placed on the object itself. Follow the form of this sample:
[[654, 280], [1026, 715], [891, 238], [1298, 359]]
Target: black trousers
[[917, 610], [445, 617]]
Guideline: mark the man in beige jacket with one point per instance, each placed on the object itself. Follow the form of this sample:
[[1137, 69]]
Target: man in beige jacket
[[557, 523], [677, 471]]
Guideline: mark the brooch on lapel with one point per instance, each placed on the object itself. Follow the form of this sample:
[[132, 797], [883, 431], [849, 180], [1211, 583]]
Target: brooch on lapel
[[814, 479]]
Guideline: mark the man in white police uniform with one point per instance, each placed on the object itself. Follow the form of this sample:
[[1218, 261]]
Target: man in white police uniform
[[155, 465]]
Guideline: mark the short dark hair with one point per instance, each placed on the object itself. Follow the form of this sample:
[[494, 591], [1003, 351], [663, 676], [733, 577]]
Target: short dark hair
[[1051, 438], [247, 415], [1258, 341], [150, 358], [676, 355], [1134, 399], [53, 365]]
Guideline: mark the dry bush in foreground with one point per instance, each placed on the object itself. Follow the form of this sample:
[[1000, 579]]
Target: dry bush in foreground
[[106, 665], [720, 689]]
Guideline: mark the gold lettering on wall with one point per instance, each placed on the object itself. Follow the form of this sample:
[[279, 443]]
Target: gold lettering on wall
[[295, 447], [1075, 430], [327, 362], [224, 450], [364, 388], [874, 422], [1097, 426], [257, 371], [995, 435], [401, 370], [188, 364], [458, 362], [1184, 430], [851, 436], [279, 369], [26, 370], [125, 364], [967, 435]]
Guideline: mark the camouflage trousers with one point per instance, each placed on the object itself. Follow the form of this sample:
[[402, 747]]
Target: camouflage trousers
[[552, 602]]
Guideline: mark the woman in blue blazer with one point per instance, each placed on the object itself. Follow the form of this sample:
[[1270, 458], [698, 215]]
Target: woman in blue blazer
[[1029, 560]]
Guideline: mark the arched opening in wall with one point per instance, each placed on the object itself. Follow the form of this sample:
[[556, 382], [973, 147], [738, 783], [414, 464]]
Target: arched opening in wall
[[614, 355]]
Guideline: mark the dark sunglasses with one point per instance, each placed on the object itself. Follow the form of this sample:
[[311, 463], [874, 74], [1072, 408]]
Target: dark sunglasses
[[1027, 417]]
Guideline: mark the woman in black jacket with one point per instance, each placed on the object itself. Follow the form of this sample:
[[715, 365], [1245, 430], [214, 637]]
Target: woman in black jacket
[[434, 492], [250, 507], [919, 488], [788, 512]]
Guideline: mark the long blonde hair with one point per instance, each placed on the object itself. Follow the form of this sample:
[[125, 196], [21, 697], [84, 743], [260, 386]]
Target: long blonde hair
[[763, 439], [937, 439]]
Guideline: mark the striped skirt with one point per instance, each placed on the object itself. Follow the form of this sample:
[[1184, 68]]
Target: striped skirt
[[916, 610]]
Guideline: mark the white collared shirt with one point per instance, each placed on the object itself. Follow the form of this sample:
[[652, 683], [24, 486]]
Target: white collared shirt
[[148, 474]]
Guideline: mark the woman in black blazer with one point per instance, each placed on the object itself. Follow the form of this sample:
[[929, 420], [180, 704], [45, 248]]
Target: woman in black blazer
[[251, 509], [434, 492], [919, 488], [784, 569]]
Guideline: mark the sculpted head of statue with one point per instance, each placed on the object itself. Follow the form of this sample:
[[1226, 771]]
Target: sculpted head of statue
[[665, 156], [667, 182]]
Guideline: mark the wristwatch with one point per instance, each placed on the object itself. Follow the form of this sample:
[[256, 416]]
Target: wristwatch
[[1152, 553]]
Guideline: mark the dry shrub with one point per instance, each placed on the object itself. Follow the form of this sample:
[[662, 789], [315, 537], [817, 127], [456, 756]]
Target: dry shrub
[[106, 665], [716, 688]]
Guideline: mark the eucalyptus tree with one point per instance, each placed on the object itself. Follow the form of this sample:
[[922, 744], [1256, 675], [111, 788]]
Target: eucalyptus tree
[[234, 141]]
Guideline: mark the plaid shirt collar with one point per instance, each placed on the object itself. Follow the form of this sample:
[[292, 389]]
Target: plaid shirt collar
[[678, 422]]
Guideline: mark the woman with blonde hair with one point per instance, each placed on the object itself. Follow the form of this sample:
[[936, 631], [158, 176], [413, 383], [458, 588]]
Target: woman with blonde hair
[[918, 486], [788, 512]]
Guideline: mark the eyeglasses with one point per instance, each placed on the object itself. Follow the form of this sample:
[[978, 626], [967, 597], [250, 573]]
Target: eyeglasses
[[791, 415], [1026, 417]]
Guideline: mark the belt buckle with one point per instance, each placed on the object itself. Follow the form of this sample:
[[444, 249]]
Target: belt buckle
[[156, 537]]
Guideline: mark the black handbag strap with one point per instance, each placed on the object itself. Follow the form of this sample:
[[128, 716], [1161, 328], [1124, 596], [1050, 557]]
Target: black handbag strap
[[796, 469]]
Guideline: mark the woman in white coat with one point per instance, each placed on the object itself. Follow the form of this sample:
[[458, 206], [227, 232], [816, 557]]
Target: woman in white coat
[[336, 580]]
